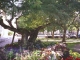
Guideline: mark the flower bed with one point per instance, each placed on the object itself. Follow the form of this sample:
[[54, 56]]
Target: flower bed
[[58, 52]]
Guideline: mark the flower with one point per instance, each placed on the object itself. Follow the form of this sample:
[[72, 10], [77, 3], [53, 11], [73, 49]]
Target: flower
[[77, 59], [69, 58]]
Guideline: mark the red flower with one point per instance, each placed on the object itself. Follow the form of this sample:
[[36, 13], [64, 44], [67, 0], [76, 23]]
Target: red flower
[[77, 59], [69, 58]]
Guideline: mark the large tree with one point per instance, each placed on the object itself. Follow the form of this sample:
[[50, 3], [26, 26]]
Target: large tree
[[76, 22], [66, 13], [32, 15], [31, 18]]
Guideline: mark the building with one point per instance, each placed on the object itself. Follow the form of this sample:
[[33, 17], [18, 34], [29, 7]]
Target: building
[[3, 32]]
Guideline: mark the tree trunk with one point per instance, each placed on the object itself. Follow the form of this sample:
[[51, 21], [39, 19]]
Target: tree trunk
[[53, 32], [64, 35], [13, 37], [77, 32], [22, 42], [33, 36], [31, 40], [24, 38]]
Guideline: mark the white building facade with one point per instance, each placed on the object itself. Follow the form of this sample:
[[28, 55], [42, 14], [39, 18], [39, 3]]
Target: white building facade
[[3, 32]]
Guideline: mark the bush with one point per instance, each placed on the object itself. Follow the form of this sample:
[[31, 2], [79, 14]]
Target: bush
[[2, 54], [75, 55], [45, 44], [10, 55]]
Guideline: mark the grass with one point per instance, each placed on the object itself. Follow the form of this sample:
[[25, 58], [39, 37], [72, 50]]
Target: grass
[[71, 45], [70, 42]]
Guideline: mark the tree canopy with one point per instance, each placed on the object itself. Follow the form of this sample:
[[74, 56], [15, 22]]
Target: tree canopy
[[30, 16]]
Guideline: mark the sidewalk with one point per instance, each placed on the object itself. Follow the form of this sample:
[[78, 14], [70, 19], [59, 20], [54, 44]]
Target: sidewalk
[[7, 40]]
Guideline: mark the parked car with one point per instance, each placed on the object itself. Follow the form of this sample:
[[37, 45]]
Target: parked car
[[67, 36], [57, 36], [61, 36], [73, 36], [78, 35]]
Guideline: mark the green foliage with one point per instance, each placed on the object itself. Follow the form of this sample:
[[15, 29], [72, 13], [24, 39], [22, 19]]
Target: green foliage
[[9, 6], [45, 44], [14, 45], [40, 13], [74, 54], [3, 4], [31, 6], [32, 21], [60, 10], [10, 55], [36, 12], [35, 55]]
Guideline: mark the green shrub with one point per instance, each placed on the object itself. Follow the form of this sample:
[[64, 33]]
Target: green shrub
[[45, 44], [10, 55], [12, 45], [74, 54]]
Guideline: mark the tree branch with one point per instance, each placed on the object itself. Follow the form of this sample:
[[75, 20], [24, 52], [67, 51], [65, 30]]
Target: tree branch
[[9, 27]]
